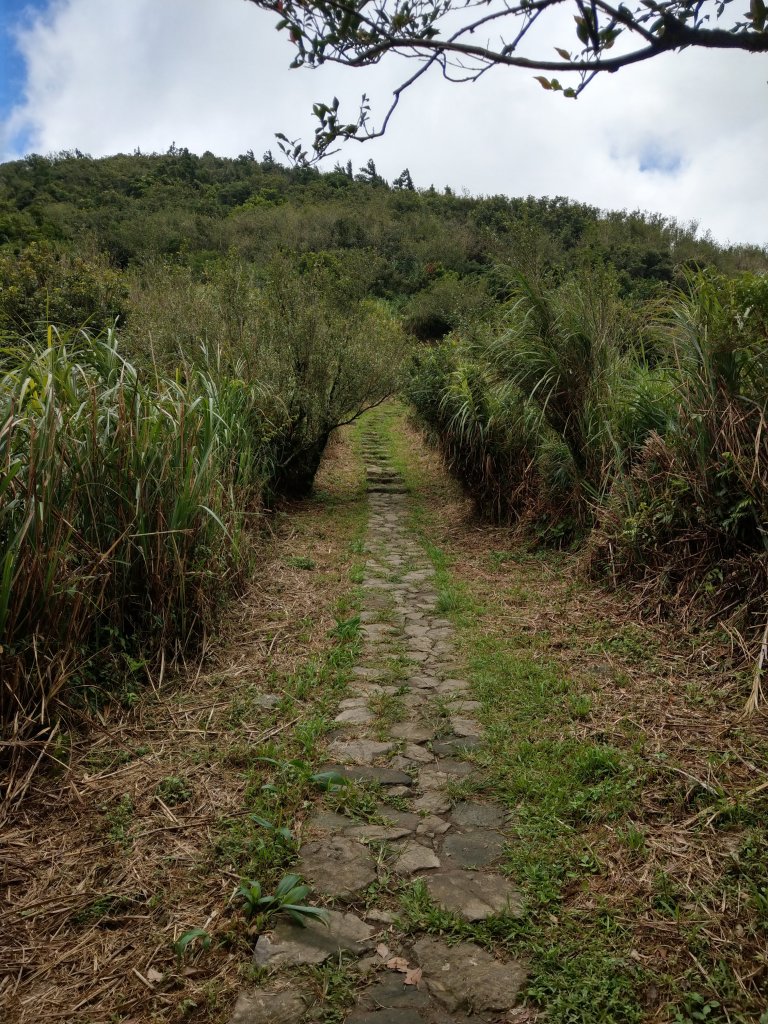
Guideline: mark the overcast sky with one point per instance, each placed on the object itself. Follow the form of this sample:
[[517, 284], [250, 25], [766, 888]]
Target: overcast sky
[[685, 135]]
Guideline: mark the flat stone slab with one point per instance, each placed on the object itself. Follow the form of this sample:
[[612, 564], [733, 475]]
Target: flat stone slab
[[456, 745], [290, 945], [474, 895], [434, 1013], [360, 751], [458, 769], [354, 716], [476, 849], [262, 1006], [412, 731], [424, 682], [391, 994], [432, 825], [377, 629], [433, 802], [440, 632], [465, 977], [328, 821], [453, 686], [413, 752], [337, 866], [432, 778], [417, 629], [403, 818], [354, 702], [378, 833], [466, 707], [413, 857], [404, 1015], [399, 791], [466, 727], [416, 700], [420, 643], [371, 773], [468, 814]]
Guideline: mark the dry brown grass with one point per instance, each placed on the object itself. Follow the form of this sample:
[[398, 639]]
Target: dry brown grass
[[62, 854]]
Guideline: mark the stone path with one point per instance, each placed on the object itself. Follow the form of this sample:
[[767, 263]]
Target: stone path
[[406, 725]]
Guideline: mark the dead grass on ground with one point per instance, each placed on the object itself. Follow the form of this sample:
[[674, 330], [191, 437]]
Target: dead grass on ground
[[108, 860]]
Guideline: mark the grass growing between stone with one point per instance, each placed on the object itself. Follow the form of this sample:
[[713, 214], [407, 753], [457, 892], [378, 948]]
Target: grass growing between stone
[[636, 792]]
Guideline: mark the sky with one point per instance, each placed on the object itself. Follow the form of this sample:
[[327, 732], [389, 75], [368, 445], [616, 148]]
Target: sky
[[684, 135]]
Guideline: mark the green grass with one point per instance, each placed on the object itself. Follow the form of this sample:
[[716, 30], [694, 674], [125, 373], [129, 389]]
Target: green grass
[[174, 790], [118, 821], [300, 562]]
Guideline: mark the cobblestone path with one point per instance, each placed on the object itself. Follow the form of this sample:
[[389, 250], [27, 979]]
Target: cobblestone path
[[407, 689]]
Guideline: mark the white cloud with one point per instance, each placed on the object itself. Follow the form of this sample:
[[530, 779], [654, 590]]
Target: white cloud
[[213, 74]]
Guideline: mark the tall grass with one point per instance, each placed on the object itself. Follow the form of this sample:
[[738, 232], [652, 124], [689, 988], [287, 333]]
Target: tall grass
[[123, 503], [691, 518], [127, 489], [303, 327], [640, 428]]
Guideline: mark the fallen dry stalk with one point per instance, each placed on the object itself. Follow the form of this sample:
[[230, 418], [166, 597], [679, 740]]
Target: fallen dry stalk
[[756, 696]]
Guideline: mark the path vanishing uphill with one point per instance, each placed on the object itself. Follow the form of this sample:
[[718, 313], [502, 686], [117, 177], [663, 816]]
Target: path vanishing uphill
[[408, 667]]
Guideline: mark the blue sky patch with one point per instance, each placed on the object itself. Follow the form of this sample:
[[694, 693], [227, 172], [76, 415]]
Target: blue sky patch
[[14, 15], [655, 159]]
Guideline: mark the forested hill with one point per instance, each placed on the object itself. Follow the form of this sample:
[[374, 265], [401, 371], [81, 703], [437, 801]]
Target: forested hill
[[434, 252]]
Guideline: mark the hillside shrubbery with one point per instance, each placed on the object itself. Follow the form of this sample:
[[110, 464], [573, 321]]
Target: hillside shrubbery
[[639, 426]]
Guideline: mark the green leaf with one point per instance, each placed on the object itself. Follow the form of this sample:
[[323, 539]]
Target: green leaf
[[543, 82], [300, 914], [263, 822], [329, 779], [563, 53], [250, 891], [181, 945], [287, 884], [581, 30]]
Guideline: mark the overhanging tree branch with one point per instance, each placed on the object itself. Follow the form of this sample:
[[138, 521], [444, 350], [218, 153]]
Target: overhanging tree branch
[[608, 37]]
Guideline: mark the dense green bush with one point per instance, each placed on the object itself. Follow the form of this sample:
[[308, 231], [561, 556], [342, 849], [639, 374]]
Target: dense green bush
[[47, 283], [640, 426], [692, 514]]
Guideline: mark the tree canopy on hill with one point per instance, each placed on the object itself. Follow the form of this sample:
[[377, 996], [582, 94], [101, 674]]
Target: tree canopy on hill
[[69, 224]]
